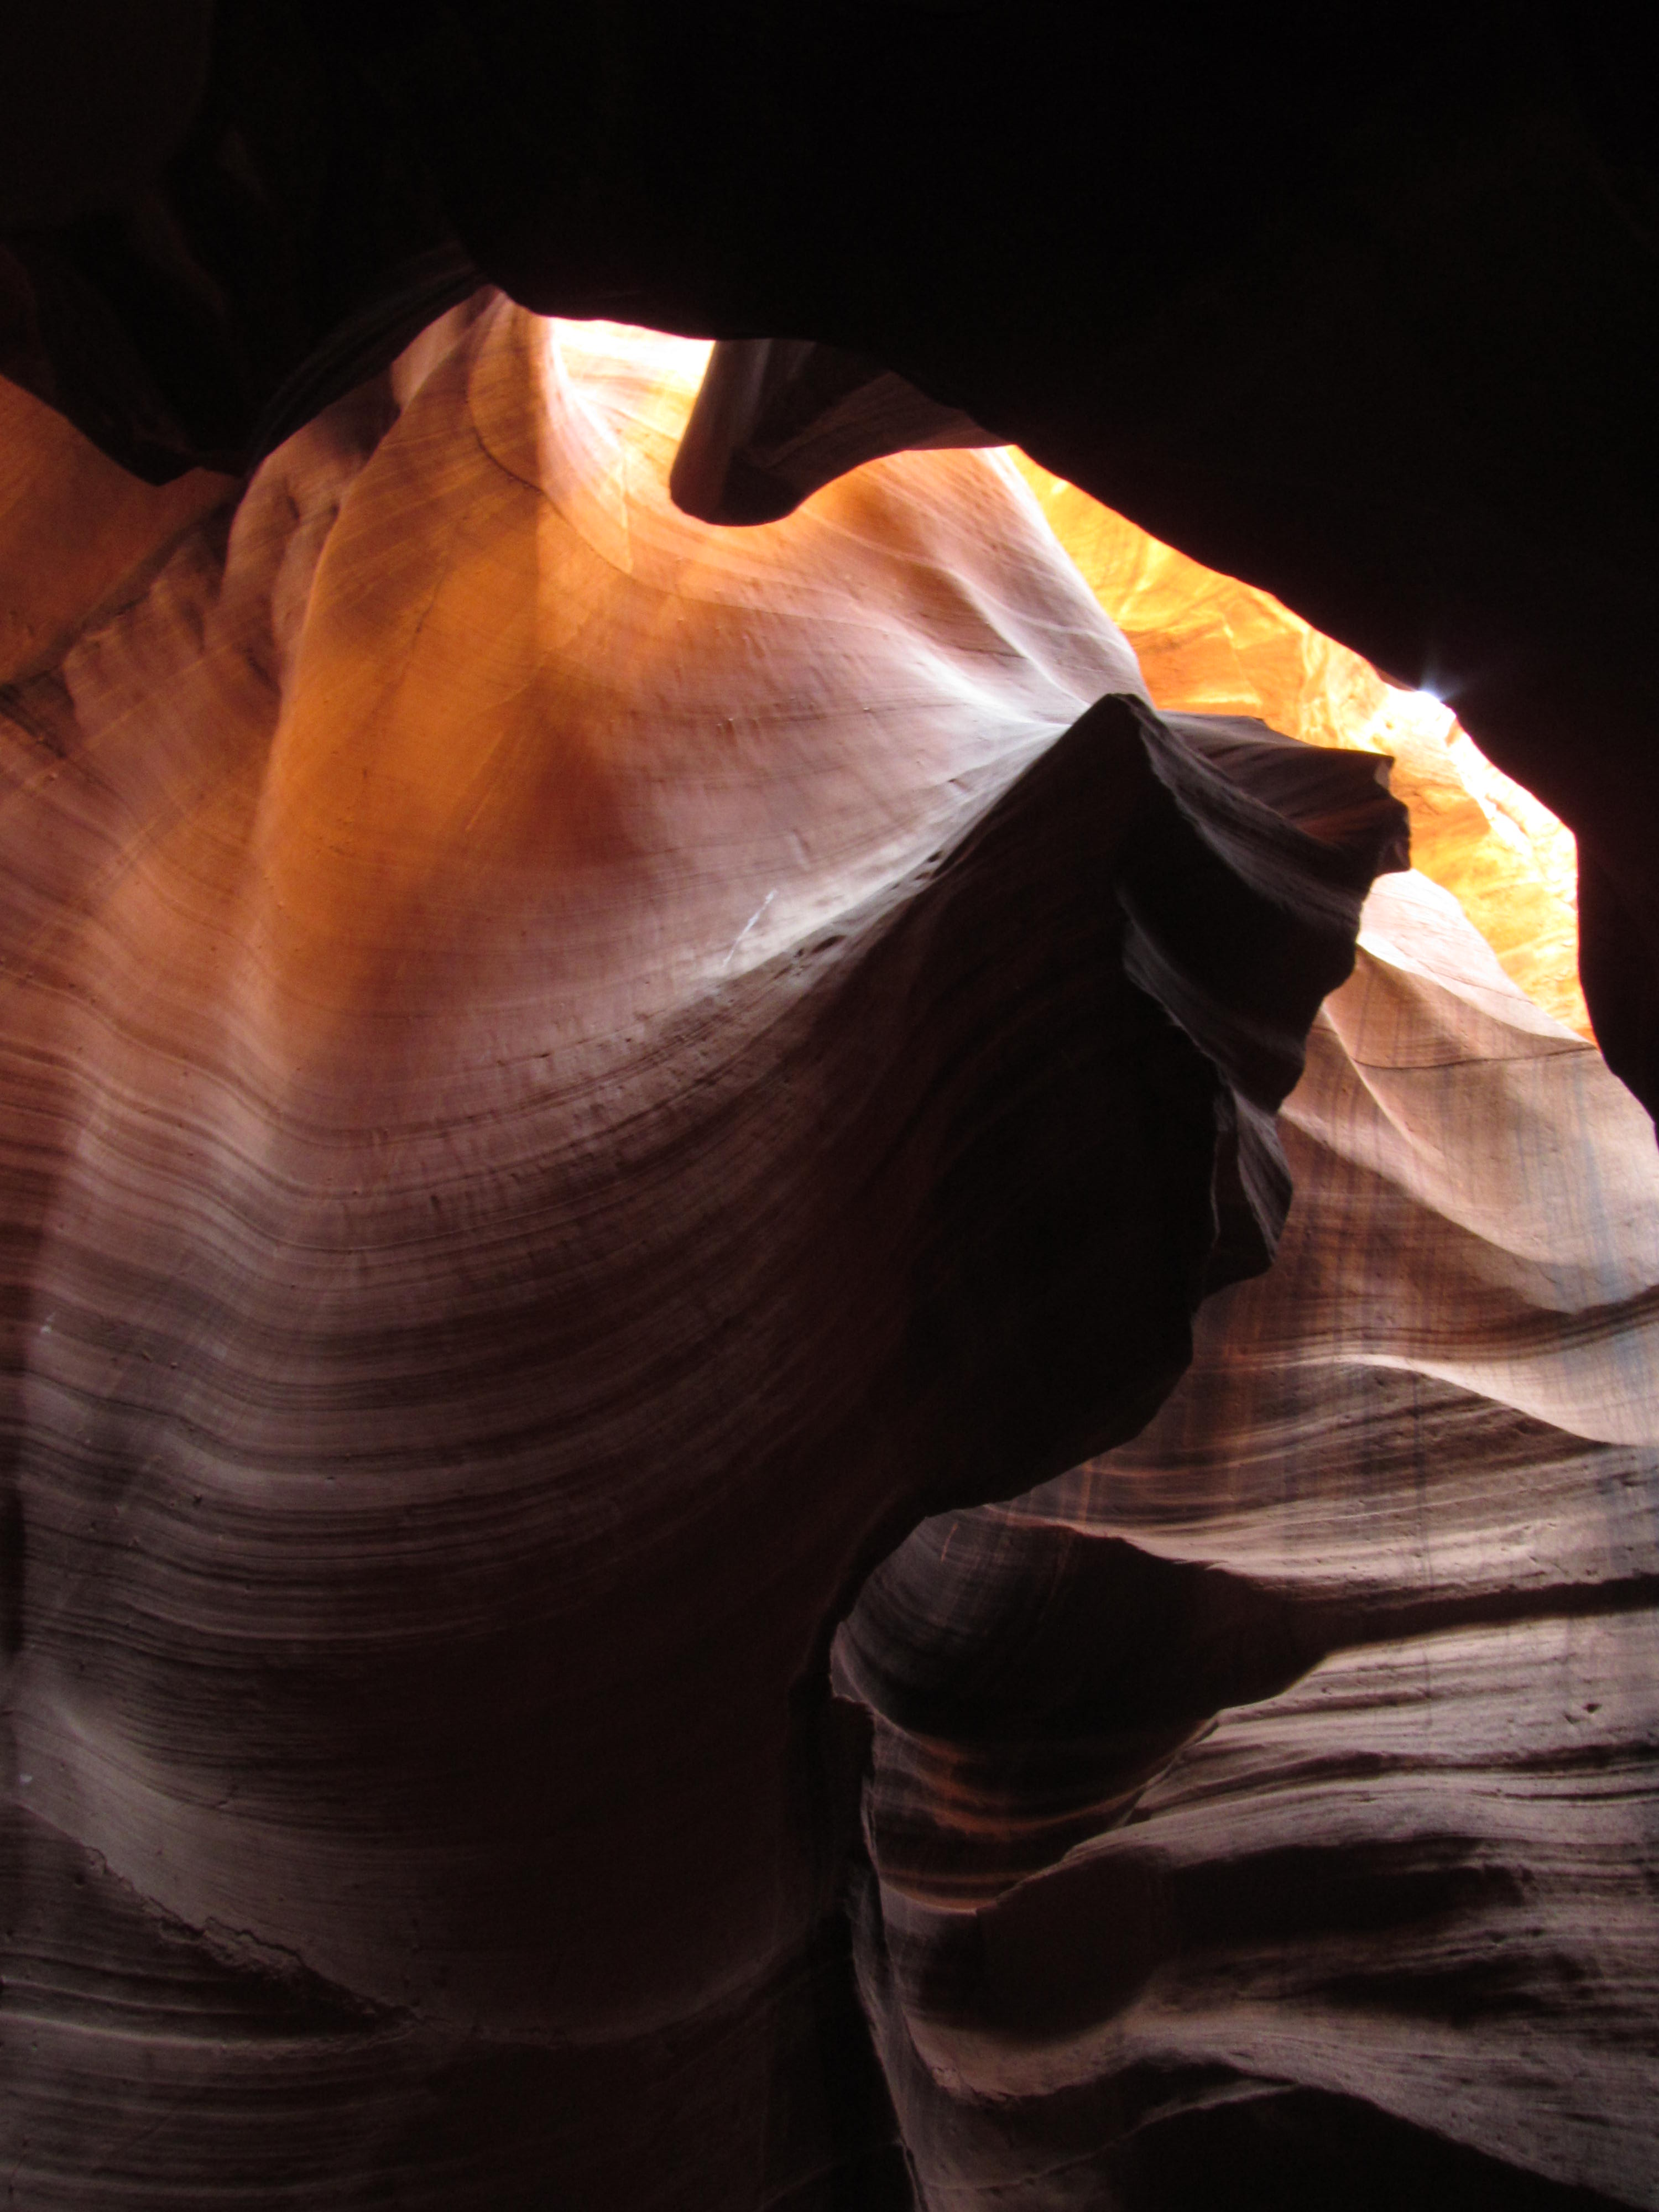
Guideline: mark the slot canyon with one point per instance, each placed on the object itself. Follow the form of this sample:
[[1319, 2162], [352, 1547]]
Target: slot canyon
[[831, 1352]]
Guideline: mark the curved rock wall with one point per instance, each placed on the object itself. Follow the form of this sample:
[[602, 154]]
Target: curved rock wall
[[567, 1076], [1270, 1804], [1209, 644]]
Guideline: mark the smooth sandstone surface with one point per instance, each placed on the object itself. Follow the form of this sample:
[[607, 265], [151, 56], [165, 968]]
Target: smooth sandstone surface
[[773, 422], [568, 1074], [1270, 1805], [1365, 318]]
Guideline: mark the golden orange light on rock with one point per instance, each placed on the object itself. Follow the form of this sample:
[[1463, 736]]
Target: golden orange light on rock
[[78, 535], [1208, 644], [570, 1072]]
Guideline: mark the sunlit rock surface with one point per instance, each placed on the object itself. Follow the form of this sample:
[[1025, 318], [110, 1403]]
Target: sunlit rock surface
[[1270, 1806], [775, 422], [1368, 320], [1209, 644], [568, 1076]]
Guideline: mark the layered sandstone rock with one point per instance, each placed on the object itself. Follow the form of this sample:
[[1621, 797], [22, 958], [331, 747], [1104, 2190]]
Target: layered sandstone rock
[[1367, 319], [1270, 1806], [568, 1076], [775, 422]]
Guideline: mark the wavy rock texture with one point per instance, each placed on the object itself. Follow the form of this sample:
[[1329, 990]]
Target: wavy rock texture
[[773, 422], [568, 1076], [1269, 1807], [1368, 320]]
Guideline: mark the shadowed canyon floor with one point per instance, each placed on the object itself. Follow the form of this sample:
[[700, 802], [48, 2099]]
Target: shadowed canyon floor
[[569, 1076]]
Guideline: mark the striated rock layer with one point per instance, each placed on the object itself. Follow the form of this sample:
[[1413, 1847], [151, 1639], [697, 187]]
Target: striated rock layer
[[1271, 1804], [568, 1076], [1363, 314]]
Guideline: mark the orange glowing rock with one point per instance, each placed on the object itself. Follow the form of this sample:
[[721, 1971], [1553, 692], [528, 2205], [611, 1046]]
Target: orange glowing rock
[[1209, 644], [567, 1072], [78, 535]]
